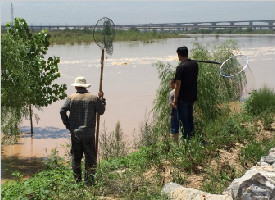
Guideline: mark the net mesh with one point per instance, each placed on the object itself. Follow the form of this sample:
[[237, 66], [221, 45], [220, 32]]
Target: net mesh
[[104, 34], [233, 66]]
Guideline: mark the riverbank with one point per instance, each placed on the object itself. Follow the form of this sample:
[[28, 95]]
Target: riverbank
[[27, 154], [86, 36], [142, 174], [78, 36]]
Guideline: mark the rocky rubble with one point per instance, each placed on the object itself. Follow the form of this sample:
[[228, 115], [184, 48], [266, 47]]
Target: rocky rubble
[[258, 183]]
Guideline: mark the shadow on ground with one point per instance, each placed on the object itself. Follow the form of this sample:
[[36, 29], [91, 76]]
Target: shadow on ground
[[46, 133], [26, 166]]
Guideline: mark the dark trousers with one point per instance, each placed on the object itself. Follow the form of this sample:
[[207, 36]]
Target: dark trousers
[[79, 147], [185, 115]]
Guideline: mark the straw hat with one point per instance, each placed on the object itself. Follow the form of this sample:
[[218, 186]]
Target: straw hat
[[81, 82]]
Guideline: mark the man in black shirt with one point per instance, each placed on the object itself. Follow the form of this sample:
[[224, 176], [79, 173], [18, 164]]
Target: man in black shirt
[[186, 90]]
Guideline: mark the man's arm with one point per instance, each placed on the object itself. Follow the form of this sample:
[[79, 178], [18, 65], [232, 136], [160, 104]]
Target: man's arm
[[63, 113]]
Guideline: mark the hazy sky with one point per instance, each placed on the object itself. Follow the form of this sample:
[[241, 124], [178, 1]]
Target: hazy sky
[[135, 12]]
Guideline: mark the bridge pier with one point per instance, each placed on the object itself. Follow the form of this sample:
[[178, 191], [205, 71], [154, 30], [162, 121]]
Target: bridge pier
[[214, 24], [270, 25]]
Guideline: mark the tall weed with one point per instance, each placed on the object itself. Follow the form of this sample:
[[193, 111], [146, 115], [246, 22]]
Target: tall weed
[[226, 131], [112, 144], [189, 154], [261, 104], [56, 182], [260, 101], [252, 152]]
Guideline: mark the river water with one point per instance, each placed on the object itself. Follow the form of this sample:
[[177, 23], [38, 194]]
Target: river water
[[130, 81]]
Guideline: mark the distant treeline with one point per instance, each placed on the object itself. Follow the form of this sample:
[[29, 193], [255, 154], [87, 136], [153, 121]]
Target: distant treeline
[[86, 36], [72, 36]]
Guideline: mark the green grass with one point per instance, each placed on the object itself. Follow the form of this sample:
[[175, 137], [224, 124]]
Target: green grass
[[252, 152], [261, 104], [260, 101]]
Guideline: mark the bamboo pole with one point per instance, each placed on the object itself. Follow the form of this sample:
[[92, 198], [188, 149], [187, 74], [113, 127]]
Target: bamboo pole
[[100, 90]]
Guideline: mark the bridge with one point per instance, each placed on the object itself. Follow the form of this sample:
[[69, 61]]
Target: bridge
[[242, 24]]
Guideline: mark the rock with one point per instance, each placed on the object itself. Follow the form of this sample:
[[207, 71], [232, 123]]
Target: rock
[[268, 159], [255, 184], [177, 192], [169, 188], [261, 163], [258, 183]]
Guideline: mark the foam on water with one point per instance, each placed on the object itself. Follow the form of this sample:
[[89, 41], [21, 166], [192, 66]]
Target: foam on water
[[114, 61]]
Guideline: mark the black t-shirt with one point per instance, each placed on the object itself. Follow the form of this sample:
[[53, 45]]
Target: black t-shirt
[[187, 72]]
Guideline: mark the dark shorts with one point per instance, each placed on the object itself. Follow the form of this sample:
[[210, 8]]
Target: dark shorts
[[174, 122]]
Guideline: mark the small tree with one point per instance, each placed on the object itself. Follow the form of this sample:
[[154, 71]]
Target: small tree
[[27, 79]]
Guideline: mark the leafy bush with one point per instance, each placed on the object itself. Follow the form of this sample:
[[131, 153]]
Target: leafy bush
[[252, 152], [226, 131], [189, 154], [56, 182], [220, 179], [267, 118], [260, 101], [112, 144], [261, 104]]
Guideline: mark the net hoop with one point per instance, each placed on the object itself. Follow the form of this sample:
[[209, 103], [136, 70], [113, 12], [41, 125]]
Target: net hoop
[[243, 64], [104, 33]]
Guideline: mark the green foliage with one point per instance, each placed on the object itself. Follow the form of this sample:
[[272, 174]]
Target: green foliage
[[189, 154], [127, 184], [261, 104], [54, 183], [253, 151], [10, 120], [220, 179], [161, 108], [260, 101], [112, 144], [225, 132], [17, 176], [85, 36], [267, 118], [27, 79]]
